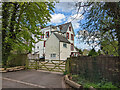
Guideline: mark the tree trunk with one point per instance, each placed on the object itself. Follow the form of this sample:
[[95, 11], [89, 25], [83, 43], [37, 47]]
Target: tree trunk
[[6, 44]]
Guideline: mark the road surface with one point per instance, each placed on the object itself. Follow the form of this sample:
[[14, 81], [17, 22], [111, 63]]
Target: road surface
[[32, 79]]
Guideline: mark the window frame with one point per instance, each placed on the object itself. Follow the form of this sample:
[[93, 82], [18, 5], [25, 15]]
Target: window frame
[[65, 45], [72, 37], [47, 34], [67, 35], [70, 28], [42, 36], [53, 55]]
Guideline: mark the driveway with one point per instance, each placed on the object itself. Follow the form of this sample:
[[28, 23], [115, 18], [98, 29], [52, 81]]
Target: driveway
[[32, 79]]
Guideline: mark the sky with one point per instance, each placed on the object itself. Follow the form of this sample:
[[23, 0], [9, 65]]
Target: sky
[[67, 12]]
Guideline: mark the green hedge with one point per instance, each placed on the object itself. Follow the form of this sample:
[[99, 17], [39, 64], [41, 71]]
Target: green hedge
[[16, 60]]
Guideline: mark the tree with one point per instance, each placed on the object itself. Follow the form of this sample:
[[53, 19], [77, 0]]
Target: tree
[[19, 21], [103, 17], [79, 50], [108, 48], [92, 53], [109, 44], [85, 52], [99, 52]]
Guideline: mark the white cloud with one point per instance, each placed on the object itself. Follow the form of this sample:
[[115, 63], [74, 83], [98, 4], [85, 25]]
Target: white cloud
[[65, 6], [57, 18], [70, 10], [75, 19]]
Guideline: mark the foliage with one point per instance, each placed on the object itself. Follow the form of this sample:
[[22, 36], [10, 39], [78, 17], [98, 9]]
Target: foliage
[[109, 48], [88, 84], [85, 52], [80, 51], [101, 17], [99, 52], [19, 24], [65, 73], [109, 44], [92, 53], [16, 60]]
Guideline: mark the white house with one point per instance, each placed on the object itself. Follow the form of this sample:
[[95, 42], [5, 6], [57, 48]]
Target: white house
[[57, 42], [57, 47]]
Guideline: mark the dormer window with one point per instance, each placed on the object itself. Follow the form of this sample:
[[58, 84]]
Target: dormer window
[[47, 34], [72, 38], [69, 28], [67, 35]]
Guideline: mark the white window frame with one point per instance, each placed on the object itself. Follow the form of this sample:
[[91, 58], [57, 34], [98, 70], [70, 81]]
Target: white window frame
[[53, 55]]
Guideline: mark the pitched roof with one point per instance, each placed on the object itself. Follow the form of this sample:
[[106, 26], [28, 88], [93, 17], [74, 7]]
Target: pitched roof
[[64, 27], [61, 38]]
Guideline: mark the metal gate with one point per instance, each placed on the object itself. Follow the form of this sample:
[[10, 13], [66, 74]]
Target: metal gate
[[49, 65]]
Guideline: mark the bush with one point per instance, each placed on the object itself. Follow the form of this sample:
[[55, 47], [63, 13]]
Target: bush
[[87, 84], [16, 60], [108, 85], [93, 53]]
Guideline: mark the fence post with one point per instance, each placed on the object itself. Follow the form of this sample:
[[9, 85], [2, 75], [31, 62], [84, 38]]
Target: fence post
[[36, 64], [67, 66]]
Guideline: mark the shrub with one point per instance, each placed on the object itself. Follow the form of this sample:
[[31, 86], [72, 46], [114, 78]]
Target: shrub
[[93, 53], [86, 84]]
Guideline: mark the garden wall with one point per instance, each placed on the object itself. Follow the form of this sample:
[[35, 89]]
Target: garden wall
[[96, 68]]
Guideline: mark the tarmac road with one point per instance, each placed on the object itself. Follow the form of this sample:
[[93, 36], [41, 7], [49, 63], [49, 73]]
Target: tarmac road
[[32, 79]]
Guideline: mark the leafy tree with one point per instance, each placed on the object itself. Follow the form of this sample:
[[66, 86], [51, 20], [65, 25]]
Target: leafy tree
[[92, 53], [109, 44], [108, 47], [103, 17], [79, 50], [85, 52], [19, 21], [99, 52]]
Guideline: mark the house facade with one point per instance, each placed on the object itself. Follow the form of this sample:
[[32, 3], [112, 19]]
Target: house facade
[[57, 42], [57, 47]]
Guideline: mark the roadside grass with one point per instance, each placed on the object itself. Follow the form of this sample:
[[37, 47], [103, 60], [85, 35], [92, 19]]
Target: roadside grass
[[87, 84]]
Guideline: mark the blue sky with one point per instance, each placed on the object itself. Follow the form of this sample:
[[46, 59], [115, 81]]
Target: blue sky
[[66, 12]]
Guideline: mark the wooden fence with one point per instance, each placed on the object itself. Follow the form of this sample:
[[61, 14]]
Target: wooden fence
[[49, 65], [96, 68]]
